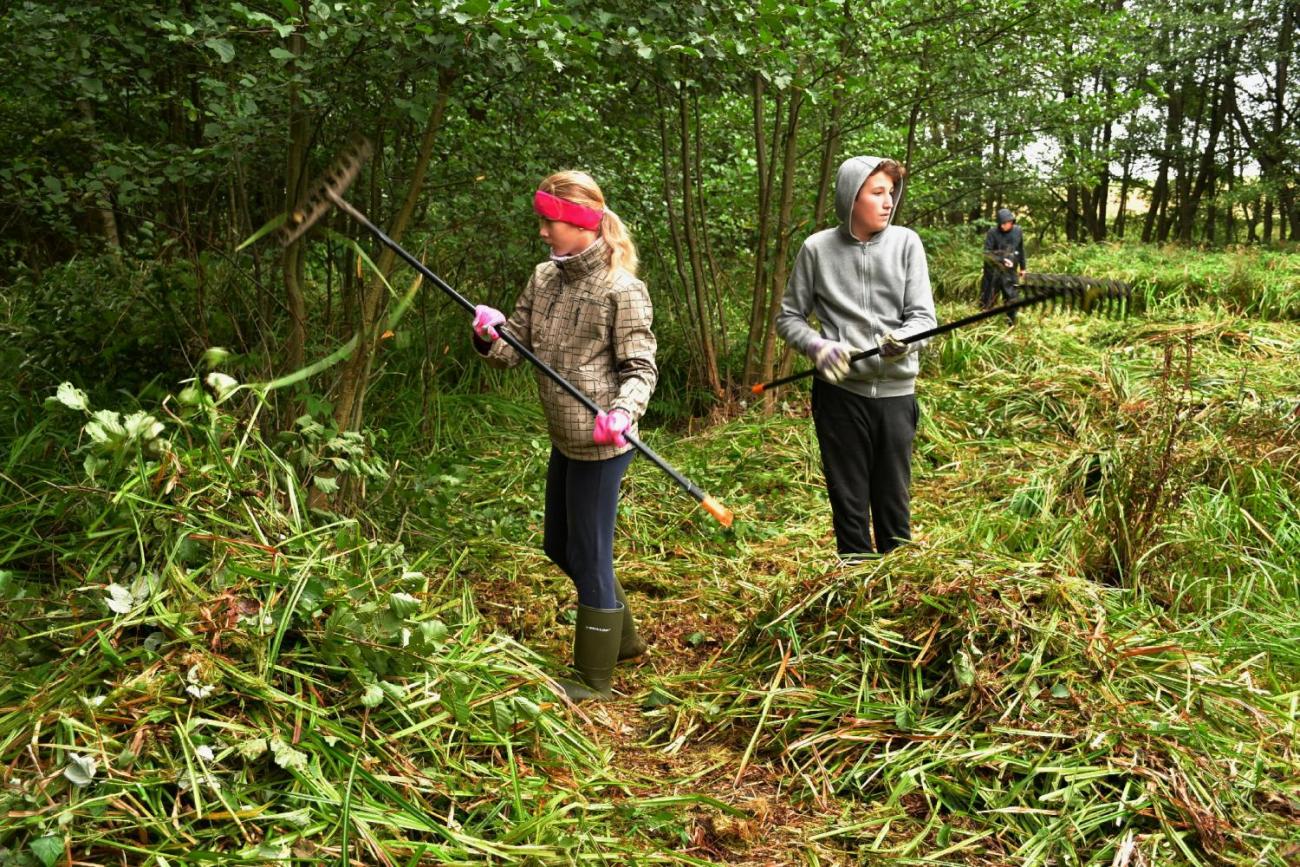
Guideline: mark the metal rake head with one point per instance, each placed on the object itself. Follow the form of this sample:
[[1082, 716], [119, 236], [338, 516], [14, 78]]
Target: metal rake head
[[1113, 298], [321, 195]]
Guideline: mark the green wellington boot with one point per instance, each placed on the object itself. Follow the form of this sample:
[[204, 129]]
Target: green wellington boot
[[595, 651], [631, 645]]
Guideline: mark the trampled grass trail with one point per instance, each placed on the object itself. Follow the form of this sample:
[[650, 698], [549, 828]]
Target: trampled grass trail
[[1088, 656]]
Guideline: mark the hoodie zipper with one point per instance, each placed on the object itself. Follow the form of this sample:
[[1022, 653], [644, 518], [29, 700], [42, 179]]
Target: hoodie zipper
[[866, 288]]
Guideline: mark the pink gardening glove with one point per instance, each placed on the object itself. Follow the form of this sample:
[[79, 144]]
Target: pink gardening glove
[[609, 428], [485, 321]]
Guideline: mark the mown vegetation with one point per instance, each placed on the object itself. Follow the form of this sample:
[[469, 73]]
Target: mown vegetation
[[1088, 657]]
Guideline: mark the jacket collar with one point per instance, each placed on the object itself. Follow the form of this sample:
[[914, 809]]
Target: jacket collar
[[582, 264]]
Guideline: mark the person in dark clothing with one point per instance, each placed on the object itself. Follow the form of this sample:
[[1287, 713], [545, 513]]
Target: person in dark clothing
[[1004, 262]]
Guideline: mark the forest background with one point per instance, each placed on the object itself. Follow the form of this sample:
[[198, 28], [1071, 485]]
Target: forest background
[[329, 519]]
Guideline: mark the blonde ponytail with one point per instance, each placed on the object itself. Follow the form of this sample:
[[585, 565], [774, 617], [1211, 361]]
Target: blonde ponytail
[[581, 188], [622, 252]]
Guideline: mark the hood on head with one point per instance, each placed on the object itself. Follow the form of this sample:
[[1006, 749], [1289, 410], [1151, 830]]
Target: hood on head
[[1005, 216], [852, 174]]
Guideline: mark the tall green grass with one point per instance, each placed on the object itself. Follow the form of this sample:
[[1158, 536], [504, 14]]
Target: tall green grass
[[1247, 281]]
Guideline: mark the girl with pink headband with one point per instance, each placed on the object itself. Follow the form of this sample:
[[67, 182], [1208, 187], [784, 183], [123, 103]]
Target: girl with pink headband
[[584, 313]]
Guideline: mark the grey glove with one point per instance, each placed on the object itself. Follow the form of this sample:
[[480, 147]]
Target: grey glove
[[831, 358], [891, 347]]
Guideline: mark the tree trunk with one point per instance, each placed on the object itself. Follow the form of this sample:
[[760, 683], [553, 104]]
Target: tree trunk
[[715, 282], [1155, 227], [704, 320], [826, 170], [1159, 194], [1125, 179], [780, 264], [102, 208], [1102, 199], [675, 236], [913, 119], [1183, 182], [764, 177], [1070, 164], [1209, 164]]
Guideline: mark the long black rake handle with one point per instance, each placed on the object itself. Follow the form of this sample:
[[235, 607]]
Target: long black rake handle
[[1072, 291], [712, 506]]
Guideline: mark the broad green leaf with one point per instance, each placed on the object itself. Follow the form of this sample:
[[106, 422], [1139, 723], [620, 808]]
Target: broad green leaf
[[964, 668], [433, 630], [403, 605], [454, 700], [222, 384], [251, 749], [503, 716], [119, 599], [214, 355], [287, 757], [47, 849], [142, 426], [223, 48], [106, 427], [526, 708]]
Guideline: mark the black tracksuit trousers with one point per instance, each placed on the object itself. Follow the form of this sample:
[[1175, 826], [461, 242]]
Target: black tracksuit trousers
[[866, 447]]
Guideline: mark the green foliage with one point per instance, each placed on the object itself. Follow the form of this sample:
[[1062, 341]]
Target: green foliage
[[223, 652], [1096, 625], [107, 324]]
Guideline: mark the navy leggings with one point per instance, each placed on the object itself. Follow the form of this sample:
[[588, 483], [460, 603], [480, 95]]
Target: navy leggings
[[581, 505]]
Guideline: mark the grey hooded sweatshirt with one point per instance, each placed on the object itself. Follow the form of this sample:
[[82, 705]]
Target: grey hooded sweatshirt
[[860, 291]]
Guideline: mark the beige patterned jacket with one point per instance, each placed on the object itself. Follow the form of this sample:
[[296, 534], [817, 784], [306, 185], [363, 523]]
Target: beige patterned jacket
[[593, 327]]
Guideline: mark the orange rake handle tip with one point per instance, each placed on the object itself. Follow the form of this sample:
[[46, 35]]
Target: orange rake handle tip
[[757, 389], [717, 510]]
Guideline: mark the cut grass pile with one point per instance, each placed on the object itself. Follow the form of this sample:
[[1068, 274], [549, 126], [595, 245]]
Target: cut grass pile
[[201, 668]]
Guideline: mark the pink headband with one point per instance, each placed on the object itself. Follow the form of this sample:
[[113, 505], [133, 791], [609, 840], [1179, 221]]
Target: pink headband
[[554, 208]]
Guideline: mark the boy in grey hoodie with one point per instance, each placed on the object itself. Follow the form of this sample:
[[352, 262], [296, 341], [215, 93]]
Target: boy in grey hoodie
[[868, 284]]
